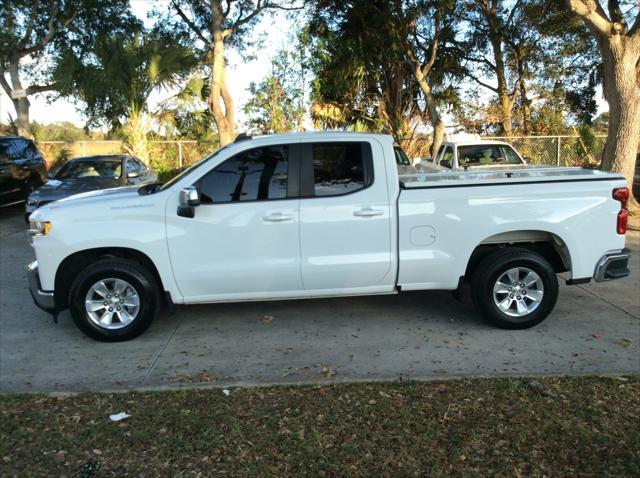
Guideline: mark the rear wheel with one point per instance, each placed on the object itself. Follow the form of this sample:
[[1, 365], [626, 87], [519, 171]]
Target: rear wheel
[[515, 288], [114, 299]]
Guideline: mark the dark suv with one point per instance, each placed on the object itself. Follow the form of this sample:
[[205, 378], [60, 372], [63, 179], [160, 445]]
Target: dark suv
[[22, 169]]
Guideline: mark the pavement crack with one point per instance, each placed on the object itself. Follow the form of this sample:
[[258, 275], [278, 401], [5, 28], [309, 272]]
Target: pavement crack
[[609, 302], [157, 357]]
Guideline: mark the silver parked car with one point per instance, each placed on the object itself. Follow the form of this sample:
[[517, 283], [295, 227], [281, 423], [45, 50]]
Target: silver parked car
[[90, 173]]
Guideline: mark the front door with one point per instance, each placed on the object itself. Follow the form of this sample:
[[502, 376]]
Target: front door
[[243, 242], [345, 219]]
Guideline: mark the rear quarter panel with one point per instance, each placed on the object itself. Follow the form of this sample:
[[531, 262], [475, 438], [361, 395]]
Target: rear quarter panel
[[440, 227]]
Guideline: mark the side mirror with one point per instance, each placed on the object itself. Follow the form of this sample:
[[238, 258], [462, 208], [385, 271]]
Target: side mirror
[[527, 159], [133, 174], [189, 196], [189, 199]]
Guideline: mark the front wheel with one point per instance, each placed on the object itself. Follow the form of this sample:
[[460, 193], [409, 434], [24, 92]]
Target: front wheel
[[114, 299], [515, 288]]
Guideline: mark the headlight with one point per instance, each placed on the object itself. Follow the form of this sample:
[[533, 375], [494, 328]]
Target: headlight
[[39, 228], [32, 202]]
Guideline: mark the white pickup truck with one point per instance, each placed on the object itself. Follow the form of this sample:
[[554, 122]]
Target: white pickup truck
[[325, 215]]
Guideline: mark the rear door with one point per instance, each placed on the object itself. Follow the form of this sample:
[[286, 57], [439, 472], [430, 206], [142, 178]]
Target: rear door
[[345, 218]]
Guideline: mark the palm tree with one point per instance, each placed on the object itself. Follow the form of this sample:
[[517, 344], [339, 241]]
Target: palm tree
[[116, 83]]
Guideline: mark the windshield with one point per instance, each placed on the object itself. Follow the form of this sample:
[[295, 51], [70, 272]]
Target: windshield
[[87, 169], [487, 155], [191, 168]]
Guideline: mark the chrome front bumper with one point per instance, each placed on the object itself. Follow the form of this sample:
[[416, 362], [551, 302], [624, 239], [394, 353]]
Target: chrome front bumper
[[613, 265], [43, 299]]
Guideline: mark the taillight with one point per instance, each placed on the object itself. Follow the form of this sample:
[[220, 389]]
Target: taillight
[[622, 195]]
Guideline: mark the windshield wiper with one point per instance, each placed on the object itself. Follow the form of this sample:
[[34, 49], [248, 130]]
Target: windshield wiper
[[149, 188]]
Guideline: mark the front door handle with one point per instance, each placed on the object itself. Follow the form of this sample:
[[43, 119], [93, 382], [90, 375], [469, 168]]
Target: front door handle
[[278, 217], [368, 212]]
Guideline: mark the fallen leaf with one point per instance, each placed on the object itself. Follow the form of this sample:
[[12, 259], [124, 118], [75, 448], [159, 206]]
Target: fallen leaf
[[596, 335], [267, 319], [624, 342], [60, 456]]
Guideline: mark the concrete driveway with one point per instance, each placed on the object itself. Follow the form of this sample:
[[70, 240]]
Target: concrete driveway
[[595, 329]]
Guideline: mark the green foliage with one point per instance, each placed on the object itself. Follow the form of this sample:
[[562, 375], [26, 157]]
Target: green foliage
[[122, 73], [277, 103], [185, 115], [363, 74], [61, 131]]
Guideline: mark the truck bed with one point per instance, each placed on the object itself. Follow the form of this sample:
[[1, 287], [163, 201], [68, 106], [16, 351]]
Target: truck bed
[[498, 176]]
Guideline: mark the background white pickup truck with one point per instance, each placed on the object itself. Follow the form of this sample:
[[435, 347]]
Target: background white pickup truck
[[325, 215], [471, 151]]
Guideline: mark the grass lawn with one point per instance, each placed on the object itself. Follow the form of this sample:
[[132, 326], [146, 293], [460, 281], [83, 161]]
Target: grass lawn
[[504, 427]]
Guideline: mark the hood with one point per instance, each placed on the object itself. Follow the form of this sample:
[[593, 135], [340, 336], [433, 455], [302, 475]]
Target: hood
[[55, 189]]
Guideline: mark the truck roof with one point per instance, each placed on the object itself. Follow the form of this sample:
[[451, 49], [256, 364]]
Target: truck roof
[[319, 135], [476, 142]]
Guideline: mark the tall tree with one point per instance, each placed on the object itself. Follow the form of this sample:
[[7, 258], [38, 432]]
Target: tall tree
[[432, 51], [383, 65], [115, 82], [277, 102], [619, 47], [361, 76], [218, 24], [32, 31]]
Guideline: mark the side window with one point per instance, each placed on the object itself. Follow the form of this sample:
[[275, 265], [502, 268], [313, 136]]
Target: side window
[[510, 155], [17, 149], [447, 157], [132, 166], [341, 168], [439, 155], [256, 174], [401, 157]]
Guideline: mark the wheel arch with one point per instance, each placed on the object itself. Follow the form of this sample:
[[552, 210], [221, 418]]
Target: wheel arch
[[76, 262], [548, 244]]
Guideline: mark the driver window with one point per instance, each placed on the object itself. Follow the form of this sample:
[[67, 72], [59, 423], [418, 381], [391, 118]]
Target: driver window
[[447, 158], [256, 174]]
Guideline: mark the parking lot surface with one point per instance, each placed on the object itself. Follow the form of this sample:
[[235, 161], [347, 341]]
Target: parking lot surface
[[595, 329]]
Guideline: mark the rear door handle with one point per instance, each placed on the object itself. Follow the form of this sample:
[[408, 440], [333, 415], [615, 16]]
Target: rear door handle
[[368, 212], [278, 217]]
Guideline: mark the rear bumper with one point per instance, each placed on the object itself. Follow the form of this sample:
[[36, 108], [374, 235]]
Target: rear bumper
[[42, 298], [613, 265]]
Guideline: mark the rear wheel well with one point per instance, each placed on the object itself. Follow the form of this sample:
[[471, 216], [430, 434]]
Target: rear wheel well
[[548, 245], [71, 266]]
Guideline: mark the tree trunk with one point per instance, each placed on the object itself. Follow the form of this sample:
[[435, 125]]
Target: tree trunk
[[21, 104], [219, 95], [622, 92], [525, 102], [22, 116], [496, 40], [432, 110]]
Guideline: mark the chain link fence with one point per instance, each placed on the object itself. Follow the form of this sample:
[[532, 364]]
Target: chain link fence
[[166, 157], [171, 157], [558, 150], [539, 150]]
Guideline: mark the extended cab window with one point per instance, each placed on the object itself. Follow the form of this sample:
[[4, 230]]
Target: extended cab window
[[401, 157], [256, 174], [341, 168]]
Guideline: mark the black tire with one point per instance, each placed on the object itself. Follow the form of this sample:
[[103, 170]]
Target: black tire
[[493, 267], [142, 280]]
